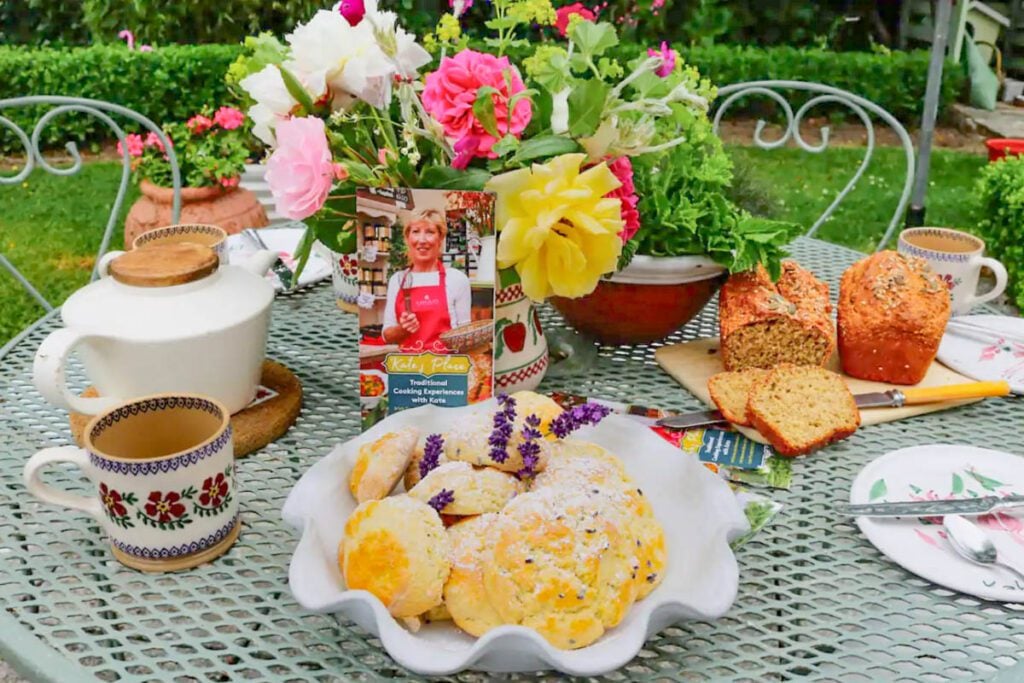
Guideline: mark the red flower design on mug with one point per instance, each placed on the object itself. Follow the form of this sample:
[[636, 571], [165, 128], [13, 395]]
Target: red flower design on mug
[[164, 508], [948, 280], [112, 501], [214, 491]]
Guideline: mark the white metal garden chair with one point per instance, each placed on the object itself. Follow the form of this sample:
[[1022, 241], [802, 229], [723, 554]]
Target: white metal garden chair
[[33, 155], [822, 94]]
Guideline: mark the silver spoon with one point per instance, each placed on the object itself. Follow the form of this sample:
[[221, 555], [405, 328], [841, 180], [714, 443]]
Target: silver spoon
[[973, 544]]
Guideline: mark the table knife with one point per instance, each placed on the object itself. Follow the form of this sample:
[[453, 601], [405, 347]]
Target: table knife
[[932, 508], [894, 398]]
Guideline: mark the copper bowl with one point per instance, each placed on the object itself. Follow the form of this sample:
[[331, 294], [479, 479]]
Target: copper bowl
[[647, 301]]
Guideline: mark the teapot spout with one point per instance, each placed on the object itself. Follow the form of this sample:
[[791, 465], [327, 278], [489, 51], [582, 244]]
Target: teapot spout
[[259, 262]]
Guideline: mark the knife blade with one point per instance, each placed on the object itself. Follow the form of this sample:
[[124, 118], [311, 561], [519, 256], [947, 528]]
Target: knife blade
[[893, 398], [932, 508]]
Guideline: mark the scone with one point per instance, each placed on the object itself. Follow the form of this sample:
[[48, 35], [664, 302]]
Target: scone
[[412, 472], [532, 403], [475, 491], [396, 549], [380, 464], [470, 442], [580, 464], [464, 593], [799, 408], [560, 567], [730, 391]]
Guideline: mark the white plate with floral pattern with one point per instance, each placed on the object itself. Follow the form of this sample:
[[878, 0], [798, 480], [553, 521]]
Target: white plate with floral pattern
[[919, 545], [987, 360], [699, 512], [284, 241]]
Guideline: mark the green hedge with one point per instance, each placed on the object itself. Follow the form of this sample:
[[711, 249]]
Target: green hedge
[[1000, 194], [168, 84], [172, 82]]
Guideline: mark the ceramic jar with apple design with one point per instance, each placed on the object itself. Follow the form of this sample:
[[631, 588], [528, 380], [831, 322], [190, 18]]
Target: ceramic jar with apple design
[[520, 349]]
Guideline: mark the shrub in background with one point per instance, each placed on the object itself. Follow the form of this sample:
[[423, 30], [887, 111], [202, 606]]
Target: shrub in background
[[1000, 196], [168, 84], [42, 22]]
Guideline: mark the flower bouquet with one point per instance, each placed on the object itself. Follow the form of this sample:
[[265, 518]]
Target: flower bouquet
[[211, 148], [587, 143]]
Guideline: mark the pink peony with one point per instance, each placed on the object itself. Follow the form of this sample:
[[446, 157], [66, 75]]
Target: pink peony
[[135, 145], [300, 172], [451, 90], [622, 168], [668, 59], [228, 118], [563, 13], [199, 124], [352, 10]]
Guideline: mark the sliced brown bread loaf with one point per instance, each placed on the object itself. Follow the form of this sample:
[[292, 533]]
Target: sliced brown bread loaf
[[801, 408], [731, 390], [892, 314], [763, 323]]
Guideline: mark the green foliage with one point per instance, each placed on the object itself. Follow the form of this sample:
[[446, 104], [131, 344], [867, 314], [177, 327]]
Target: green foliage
[[41, 22], [1000, 202], [684, 207], [159, 22], [167, 84]]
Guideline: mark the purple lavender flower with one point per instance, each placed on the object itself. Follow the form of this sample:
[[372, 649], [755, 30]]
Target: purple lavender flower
[[578, 416], [502, 432], [431, 454], [441, 499], [529, 449]]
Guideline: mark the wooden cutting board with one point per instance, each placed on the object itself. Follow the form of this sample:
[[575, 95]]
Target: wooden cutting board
[[693, 363]]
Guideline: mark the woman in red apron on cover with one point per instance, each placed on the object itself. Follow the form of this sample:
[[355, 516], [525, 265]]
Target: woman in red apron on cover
[[426, 299]]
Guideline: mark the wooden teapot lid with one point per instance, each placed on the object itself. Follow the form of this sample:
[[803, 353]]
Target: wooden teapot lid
[[164, 265]]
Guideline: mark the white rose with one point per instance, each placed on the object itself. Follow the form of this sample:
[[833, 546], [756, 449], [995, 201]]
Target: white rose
[[273, 101]]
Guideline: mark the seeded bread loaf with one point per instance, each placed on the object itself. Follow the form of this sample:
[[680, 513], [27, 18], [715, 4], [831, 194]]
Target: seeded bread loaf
[[801, 408], [763, 323], [892, 314]]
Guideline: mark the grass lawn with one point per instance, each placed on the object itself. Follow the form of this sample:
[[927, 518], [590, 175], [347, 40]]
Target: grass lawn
[[50, 226]]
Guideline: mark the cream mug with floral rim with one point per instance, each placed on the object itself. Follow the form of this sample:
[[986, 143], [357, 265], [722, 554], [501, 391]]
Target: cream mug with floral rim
[[211, 236], [957, 258], [163, 468]]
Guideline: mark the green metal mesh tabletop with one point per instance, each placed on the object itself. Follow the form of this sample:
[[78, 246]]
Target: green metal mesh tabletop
[[816, 600]]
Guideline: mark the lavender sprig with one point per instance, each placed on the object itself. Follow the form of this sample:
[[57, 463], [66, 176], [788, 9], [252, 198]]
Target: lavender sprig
[[441, 500], [578, 416], [529, 449], [431, 454], [502, 431]]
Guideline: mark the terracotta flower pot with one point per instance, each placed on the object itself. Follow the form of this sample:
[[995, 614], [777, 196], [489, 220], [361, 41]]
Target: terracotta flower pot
[[232, 208], [647, 301]]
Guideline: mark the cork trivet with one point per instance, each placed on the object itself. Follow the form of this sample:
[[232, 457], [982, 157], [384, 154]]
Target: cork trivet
[[164, 265], [253, 427]]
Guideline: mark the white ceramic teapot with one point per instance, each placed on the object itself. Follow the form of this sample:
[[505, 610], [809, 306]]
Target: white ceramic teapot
[[162, 319]]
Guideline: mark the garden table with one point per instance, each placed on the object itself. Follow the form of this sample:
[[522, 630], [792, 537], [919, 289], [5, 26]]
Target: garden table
[[816, 600]]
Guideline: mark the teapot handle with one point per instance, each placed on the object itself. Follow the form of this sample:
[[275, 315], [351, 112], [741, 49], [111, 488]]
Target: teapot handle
[[48, 373], [104, 265]]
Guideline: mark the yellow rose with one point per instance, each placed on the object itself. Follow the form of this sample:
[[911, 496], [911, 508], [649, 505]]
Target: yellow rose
[[557, 228]]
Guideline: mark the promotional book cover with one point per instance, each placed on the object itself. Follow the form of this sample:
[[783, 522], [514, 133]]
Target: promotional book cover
[[426, 299]]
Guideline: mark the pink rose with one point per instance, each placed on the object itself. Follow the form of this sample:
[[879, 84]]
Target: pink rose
[[622, 168], [563, 13], [228, 118], [668, 59], [300, 172], [199, 124], [465, 150], [450, 91], [134, 143]]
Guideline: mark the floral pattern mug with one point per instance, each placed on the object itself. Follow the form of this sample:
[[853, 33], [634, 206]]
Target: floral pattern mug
[[164, 471]]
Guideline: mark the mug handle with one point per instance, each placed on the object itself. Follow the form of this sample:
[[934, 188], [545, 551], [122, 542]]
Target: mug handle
[[48, 373], [1000, 272], [104, 265], [48, 494]]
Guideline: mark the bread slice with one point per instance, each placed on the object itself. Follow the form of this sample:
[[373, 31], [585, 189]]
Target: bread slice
[[800, 408], [731, 390]]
